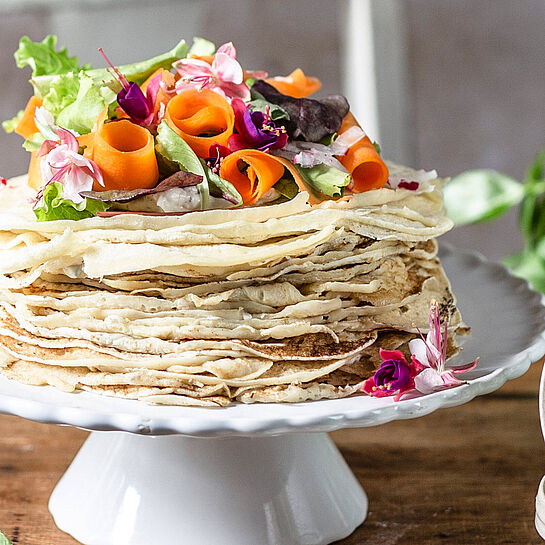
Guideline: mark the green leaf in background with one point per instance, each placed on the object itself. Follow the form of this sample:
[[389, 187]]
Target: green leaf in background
[[325, 180], [44, 59], [10, 124], [4, 540], [530, 266], [202, 47], [173, 149], [53, 206], [479, 195], [532, 210]]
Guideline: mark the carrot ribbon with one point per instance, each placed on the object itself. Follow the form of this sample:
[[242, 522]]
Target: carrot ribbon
[[295, 85], [254, 172], [27, 126], [125, 154], [202, 118], [363, 162]]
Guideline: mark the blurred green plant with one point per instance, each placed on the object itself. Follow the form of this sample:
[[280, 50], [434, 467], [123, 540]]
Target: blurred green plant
[[4, 540], [483, 195]]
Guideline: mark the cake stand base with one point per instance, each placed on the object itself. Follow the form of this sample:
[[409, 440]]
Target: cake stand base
[[293, 489]]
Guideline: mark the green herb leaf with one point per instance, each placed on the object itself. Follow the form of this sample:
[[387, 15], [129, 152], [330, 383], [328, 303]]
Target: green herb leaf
[[202, 47], [173, 150], [325, 180], [9, 125], [53, 206], [4, 540], [44, 59], [287, 187], [223, 187], [479, 195], [260, 103]]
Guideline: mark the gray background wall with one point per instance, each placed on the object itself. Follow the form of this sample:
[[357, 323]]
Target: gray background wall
[[475, 72]]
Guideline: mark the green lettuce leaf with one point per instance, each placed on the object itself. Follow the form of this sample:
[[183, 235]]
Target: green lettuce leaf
[[175, 154], [223, 187], [479, 195], [44, 59], [60, 93], [82, 113], [325, 180], [4, 540], [9, 125], [202, 47], [53, 206]]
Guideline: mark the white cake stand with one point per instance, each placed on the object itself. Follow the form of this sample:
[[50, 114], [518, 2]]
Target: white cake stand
[[255, 474]]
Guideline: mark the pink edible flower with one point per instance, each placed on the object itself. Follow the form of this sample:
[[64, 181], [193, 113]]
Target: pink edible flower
[[431, 354], [3, 181], [224, 75], [394, 377], [62, 163]]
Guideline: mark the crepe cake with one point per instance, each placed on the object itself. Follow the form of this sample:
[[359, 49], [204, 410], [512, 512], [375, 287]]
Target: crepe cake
[[192, 233], [282, 303]]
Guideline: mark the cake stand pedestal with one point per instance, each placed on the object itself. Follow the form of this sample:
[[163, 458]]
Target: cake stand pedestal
[[259, 474], [127, 489]]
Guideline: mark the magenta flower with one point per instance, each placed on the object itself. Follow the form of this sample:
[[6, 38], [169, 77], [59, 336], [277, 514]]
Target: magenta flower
[[255, 130], [395, 376], [431, 354], [130, 97], [62, 163], [217, 153], [225, 75]]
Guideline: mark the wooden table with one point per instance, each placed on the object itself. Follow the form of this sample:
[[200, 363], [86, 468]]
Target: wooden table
[[461, 476]]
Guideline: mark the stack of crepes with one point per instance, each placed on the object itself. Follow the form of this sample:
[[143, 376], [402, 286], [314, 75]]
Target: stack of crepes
[[279, 303], [194, 233]]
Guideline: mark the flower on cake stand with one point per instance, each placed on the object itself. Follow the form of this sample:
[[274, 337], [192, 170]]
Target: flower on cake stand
[[395, 376], [431, 354], [425, 373]]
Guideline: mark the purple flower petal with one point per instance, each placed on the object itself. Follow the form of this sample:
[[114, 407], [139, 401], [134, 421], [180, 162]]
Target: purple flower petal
[[134, 103]]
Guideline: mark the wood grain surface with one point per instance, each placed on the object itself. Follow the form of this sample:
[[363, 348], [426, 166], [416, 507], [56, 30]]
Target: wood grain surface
[[461, 476]]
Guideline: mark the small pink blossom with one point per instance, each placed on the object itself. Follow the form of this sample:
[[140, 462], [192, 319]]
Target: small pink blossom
[[224, 75], [431, 354], [62, 163]]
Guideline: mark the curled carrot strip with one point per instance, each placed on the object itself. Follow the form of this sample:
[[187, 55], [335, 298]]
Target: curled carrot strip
[[163, 97], [363, 162], [295, 85], [125, 154], [202, 118], [252, 172], [26, 126], [34, 171]]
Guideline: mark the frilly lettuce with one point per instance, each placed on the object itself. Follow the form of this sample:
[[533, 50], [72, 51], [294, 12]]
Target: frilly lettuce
[[10, 124], [52, 206], [77, 97], [202, 47], [44, 59], [82, 113]]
